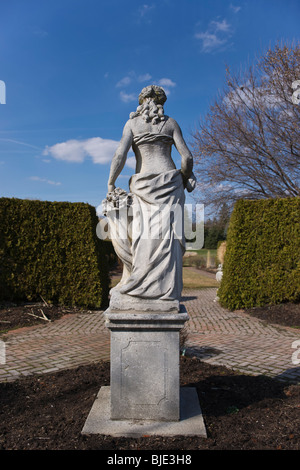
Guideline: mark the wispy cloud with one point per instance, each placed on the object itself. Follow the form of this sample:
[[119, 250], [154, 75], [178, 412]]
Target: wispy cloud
[[134, 80], [144, 78], [127, 97], [167, 84], [216, 36], [210, 41], [25, 144], [44, 180], [223, 26], [144, 12], [125, 81], [234, 8], [99, 150]]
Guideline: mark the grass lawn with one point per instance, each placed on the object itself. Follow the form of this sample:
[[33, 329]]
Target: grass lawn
[[196, 280], [191, 280], [204, 251], [200, 258]]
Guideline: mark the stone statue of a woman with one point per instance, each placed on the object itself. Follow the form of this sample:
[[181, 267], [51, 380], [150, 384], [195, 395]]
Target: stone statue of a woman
[[153, 247]]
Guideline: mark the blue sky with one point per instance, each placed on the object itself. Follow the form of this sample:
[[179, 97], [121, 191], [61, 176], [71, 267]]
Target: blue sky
[[73, 70]]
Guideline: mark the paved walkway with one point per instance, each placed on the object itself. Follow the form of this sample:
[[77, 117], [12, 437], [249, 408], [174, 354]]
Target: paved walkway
[[216, 335]]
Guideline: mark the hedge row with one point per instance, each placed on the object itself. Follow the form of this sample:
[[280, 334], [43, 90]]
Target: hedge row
[[50, 250], [262, 261]]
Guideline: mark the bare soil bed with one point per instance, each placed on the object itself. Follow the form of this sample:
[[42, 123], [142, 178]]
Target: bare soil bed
[[283, 314], [22, 315], [241, 412]]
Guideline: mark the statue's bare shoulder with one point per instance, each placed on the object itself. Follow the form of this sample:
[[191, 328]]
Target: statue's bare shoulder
[[173, 125], [128, 127]]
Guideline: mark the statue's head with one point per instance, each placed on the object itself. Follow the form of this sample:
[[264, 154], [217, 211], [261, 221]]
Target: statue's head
[[151, 100], [155, 93]]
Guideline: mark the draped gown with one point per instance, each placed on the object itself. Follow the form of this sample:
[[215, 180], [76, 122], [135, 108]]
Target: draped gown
[[152, 244]]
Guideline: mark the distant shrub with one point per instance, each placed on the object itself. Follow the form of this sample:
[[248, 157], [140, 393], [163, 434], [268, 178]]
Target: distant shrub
[[221, 250], [200, 259], [262, 262], [51, 249]]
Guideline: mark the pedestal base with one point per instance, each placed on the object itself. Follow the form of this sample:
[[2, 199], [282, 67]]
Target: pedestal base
[[145, 364], [190, 424]]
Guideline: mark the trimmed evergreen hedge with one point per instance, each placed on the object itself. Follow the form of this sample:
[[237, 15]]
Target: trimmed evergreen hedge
[[51, 249], [262, 260]]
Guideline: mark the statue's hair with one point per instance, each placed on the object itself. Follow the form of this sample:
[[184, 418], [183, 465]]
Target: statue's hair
[[151, 100], [157, 93]]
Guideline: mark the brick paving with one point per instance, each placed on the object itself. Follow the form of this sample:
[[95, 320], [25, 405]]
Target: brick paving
[[239, 341], [216, 335]]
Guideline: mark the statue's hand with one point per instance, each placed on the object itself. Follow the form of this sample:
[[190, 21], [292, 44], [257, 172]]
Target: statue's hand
[[191, 183], [110, 188]]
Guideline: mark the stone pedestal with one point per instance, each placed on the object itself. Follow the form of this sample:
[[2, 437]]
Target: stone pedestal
[[144, 396], [145, 364]]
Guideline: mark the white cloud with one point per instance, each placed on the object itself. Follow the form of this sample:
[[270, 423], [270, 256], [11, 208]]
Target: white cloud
[[45, 180], [71, 151], [221, 26], [133, 79], [144, 78], [131, 162], [166, 82], [98, 149], [216, 35], [210, 41], [234, 8], [127, 97], [125, 81]]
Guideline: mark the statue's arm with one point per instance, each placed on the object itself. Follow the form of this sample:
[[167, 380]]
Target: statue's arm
[[186, 156], [120, 156]]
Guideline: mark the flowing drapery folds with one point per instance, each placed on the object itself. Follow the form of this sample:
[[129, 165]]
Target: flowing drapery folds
[[146, 228]]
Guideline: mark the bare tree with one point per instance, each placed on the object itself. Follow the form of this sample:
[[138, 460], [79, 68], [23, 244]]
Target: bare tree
[[248, 144]]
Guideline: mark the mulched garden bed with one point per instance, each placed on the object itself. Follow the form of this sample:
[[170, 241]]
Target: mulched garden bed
[[241, 412], [13, 316], [287, 314]]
